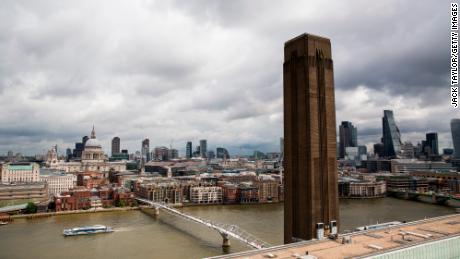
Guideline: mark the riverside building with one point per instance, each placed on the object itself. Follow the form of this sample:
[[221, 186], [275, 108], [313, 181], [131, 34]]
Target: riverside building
[[20, 172], [58, 182], [206, 194]]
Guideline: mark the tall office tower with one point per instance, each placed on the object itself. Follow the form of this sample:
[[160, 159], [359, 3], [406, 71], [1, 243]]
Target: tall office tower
[[391, 136], [10, 155], [222, 153], [197, 152], [203, 148], [188, 150], [310, 165], [68, 154], [84, 139], [348, 137], [115, 145], [145, 150], [455, 128], [161, 153], [173, 153], [431, 144]]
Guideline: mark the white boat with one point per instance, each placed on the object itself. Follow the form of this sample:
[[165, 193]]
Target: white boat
[[87, 230], [3, 223], [379, 226]]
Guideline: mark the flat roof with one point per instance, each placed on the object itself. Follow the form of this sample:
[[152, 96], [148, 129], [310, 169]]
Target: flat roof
[[20, 167], [364, 243], [306, 35]]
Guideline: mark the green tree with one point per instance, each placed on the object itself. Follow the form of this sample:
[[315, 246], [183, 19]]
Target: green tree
[[31, 208]]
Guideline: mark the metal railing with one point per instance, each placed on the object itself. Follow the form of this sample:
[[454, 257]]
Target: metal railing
[[225, 230]]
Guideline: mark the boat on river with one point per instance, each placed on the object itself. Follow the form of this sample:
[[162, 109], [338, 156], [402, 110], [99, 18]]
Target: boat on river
[[88, 230]]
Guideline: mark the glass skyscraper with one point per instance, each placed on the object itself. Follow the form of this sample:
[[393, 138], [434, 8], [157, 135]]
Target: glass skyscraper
[[391, 136], [189, 150], [455, 128], [203, 148], [431, 144], [145, 150], [348, 137], [115, 146]]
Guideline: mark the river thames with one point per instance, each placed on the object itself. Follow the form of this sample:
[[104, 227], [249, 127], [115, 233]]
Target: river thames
[[138, 235]]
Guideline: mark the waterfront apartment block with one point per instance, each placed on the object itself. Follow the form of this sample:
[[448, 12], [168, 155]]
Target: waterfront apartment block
[[310, 144], [57, 181], [24, 191], [268, 189], [430, 239], [206, 194], [166, 191], [81, 197], [451, 180], [23, 172], [247, 193], [407, 183], [361, 189], [230, 193]]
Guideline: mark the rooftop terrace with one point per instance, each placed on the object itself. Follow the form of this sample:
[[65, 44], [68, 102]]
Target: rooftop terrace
[[364, 244]]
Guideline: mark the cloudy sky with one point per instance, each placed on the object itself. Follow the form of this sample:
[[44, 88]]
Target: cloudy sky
[[187, 70]]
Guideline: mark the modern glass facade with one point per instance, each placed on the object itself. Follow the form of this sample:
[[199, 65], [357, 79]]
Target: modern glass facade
[[348, 137], [431, 144], [203, 148], [188, 150], [145, 150], [455, 128], [115, 146], [222, 153], [391, 136]]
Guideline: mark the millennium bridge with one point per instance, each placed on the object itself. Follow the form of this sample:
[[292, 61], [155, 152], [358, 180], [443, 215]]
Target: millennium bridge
[[225, 230]]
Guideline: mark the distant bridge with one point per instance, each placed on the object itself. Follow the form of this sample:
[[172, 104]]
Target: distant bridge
[[224, 230], [440, 198]]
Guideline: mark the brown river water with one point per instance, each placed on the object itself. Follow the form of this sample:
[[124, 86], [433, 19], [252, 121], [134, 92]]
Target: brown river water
[[138, 235]]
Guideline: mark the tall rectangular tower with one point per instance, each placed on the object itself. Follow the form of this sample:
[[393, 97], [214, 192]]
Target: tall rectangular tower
[[188, 150], [348, 137], [311, 191], [203, 148], [391, 138], [115, 146]]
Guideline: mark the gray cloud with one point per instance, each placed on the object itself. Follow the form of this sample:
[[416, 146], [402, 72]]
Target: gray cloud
[[177, 71]]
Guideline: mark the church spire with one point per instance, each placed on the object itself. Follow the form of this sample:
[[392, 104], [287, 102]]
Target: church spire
[[93, 133]]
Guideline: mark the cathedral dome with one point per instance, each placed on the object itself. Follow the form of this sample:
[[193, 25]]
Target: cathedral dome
[[92, 142]]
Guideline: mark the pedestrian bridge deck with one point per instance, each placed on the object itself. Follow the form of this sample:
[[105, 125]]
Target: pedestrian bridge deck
[[224, 230]]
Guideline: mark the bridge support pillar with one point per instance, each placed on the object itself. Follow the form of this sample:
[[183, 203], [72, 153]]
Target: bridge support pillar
[[225, 240]]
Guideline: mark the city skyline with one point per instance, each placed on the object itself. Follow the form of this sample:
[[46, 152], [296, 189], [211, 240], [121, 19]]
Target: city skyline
[[121, 77]]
